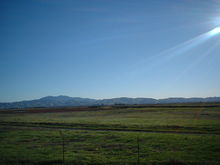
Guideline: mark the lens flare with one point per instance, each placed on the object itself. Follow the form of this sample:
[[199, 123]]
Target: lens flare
[[215, 31]]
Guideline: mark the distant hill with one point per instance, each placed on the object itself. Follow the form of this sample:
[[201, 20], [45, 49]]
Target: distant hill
[[65, 101]]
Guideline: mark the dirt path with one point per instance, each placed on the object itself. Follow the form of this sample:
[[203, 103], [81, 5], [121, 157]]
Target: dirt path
[[57, 126]]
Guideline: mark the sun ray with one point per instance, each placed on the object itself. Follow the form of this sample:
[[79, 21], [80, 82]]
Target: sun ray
[[180, 48], [196, 62]]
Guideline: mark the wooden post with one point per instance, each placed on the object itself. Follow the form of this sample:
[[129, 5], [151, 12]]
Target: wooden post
[[62, 136], [138, 151]]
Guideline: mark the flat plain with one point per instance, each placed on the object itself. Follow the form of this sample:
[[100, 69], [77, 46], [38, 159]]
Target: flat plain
[[121, 134]]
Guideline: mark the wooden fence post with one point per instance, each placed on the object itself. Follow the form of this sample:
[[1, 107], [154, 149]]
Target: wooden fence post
[[63, 151], [138, 150]]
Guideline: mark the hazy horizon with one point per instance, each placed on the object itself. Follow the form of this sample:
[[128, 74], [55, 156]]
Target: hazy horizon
[[107, 49], [104, 98]]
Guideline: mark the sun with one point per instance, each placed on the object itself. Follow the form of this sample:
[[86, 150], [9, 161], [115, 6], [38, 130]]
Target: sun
[[215, 31]]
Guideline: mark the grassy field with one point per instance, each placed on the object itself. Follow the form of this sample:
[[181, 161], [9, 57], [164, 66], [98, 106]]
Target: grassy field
[[109, 135]]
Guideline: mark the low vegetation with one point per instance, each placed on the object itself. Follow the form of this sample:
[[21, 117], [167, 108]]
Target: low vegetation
[[112, 135]]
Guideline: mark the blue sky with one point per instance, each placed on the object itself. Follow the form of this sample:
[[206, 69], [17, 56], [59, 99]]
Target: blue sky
[[109, 48]]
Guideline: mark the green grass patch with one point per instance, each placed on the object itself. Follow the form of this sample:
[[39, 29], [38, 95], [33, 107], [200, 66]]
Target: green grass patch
[[38, 146], [34, 138]]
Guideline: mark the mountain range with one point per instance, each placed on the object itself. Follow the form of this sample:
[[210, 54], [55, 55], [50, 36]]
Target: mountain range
[[66, 101]]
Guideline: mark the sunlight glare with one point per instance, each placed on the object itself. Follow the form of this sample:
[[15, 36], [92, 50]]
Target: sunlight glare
[[215, 31]]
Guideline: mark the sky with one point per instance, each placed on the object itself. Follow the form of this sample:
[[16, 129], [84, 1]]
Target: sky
[[109, 48]]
